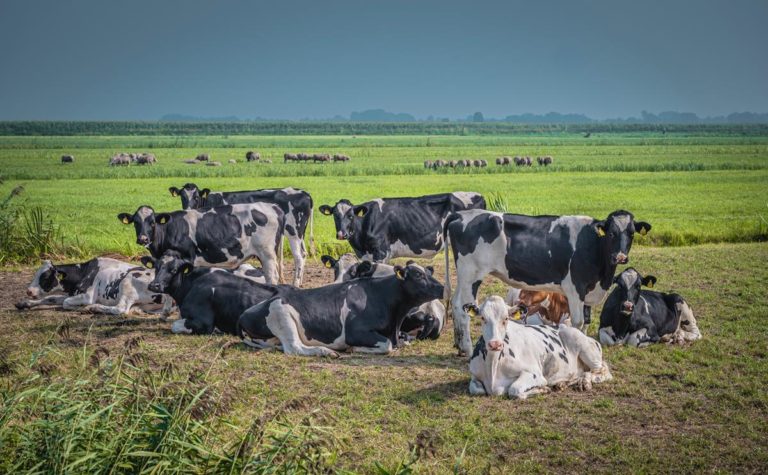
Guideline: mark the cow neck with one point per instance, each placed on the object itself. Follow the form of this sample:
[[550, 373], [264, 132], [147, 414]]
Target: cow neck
[[157, 246], [179, 287], [73, 276], [399, 304], [607, 268]]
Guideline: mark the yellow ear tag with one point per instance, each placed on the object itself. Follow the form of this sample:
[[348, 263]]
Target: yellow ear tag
[[186, 270], [360, 213], [517, 315], [173, 193], [126, 220], [643, 231], [328, 264], [162, 220], [400, 274], [149, 265], [472, 312], [600, 232], [61, 276], [649, 284]]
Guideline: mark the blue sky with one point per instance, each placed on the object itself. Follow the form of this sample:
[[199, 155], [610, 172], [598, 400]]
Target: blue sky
[[294, 59]]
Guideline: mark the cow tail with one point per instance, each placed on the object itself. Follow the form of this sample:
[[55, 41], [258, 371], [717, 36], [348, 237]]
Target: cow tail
[[312, 248]]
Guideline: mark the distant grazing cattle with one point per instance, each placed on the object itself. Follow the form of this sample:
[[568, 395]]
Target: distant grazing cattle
[[101, 285], [321, 157], [544, 161], [208, 298], [575, 255], [119, 159], [266, 160], [213, 164], [232, 161], [304, 157], [290, 157], [296, 204], [477, 163], [386, 228], [340, 158], [422, 322], [224, 236], [203, 157], [452, 164], [145, 159], [362, 315], [251, 156], [428, 163], [637, 317], [545, 308], [523, 360], [67, 159]]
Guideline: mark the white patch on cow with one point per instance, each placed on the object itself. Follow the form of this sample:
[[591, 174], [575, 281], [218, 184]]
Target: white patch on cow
[[144, 212], [342, 208], [465, 197], [647, 308], [380, 202], [622, 221], [400, 249], [629, 277], [35, 288], [550, 254], [284, 322], [574, 225], [179, 326], [292, 191]]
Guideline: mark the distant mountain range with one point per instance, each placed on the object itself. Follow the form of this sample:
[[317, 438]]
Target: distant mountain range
[[381, 115]]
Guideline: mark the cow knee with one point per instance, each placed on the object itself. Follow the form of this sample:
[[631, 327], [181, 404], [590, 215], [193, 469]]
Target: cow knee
[[607, 337]]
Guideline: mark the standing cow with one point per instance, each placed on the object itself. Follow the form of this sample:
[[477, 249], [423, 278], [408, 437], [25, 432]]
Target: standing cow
[[637, 317], [386, 228], [67, 159], [522, 360], [251, 156], [224, 236], [573, 255], [296, 205]]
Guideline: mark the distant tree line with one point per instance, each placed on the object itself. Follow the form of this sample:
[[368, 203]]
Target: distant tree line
[[43, 128]]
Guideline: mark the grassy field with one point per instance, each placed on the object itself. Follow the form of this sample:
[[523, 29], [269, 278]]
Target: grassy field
[[82, 393]]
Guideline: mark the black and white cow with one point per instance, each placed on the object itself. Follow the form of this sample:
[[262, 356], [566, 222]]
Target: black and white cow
[[101, 285], [208, 298], [225, 236], [637, 317], [296, 204], [522, 360], [423, 322], [362, 315], [573, 255], [386, 228]]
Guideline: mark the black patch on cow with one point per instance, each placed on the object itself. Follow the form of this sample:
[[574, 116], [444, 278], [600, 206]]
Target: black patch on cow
[[48, 280], [78, 278], [112, 289], [506, 338], [157, 298], [551, 348], [538, 329], [215, 233], [475, 286], [562, 356], [480, 348], [290, 230], [511, 353], [136, 275], [530, 243], [464, 239]]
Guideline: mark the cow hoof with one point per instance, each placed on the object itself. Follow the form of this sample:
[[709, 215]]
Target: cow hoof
[[333, 355], [21, 305], [559, 386], [583, 384]]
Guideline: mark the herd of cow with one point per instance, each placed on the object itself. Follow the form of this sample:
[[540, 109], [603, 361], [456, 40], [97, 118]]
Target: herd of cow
[[501, 161], [315, 157], [532, 341]]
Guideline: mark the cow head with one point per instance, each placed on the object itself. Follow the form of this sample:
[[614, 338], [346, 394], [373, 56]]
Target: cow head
[[418, 283], [46, 280], [341, 266], [345, 217], [616, 234], [144, 221], [495, 314], [169, 270], [191, 196], [628, 285]]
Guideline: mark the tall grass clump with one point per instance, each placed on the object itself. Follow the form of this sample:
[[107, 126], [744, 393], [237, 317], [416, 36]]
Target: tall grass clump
[[26, 233], [120, 415]]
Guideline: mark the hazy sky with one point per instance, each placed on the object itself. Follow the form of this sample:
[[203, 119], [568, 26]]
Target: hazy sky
[[291, 59]]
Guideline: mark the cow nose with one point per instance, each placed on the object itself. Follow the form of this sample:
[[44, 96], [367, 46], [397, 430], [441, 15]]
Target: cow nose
[[495, 345], [622, 258], [30, 293], [341, 235], [154, 287], [628, 306], [143, 239]]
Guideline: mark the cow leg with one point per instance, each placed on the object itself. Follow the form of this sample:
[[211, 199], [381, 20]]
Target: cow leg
[[689, 330], [608, 337], [466, 292], [49, 300], [298, 251], [120, 309], [281, 321], [77, 301], [270, 267], [262, 344], [641, 338], [576, 307], [527, 384], [369, 342], [179, 326], [477, 388]]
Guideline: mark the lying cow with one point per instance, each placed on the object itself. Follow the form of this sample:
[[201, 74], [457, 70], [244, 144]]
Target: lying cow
[[225, 236], [207, 298], [362, 315], [101, 285], [422, 322], [522, 360], [296, 204], [544, 308], [574, 255], [638, 317], [386, 228]]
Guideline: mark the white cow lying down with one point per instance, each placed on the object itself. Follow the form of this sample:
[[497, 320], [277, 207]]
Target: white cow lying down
[[523, 360]]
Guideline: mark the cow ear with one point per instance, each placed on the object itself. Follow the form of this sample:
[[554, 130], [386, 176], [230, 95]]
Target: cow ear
[[328, 261], [360, 211], [326, 210], [147, 262], [204, 193], [471, 309], [642, 227], [515, 313], [430, 270], [400, 272], [649, 281], [410, 262], [363, 269], [163, 218], [125, 218], [186, 268], [174, 191], [546, 302], [60, 275], [600, 228]]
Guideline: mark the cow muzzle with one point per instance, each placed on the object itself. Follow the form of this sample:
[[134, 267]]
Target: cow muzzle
[[627, 307], [155, 287], [341, 235], [621, 258], [32, 293], [495, 345], [143, 240]]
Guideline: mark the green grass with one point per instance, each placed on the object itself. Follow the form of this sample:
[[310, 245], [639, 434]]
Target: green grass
[[692, 409]]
